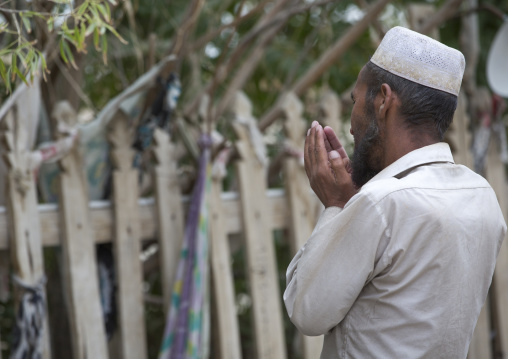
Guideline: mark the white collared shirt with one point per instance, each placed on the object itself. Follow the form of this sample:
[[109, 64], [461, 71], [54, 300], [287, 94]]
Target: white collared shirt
[[404, 269]]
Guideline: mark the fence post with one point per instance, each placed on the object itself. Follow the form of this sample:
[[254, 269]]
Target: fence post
[[126, 242], [459, 138], [223, 287], [78, 246], [300, 202], [330, 108], [261, 261], [169, 212], [23, 216], [497, 179]]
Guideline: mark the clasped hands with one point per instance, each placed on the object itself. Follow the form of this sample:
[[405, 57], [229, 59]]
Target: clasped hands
[[328, 166]]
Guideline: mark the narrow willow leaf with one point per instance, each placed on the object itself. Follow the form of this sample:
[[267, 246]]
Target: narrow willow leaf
[[29, 56], [82, 9], [14, 65], [104, 49], [69, 54], [62, 51], [51, 23], [3, 72], [90, 29], [20, 75], [104, 12], [96, 38], [26, 23], [112, 29]]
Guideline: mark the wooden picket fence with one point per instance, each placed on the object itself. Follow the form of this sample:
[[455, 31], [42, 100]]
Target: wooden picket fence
[[76, 225]]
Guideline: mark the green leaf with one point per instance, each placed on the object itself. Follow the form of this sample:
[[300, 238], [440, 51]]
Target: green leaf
[[112, 29], [26, 23], [44, 66], [96, 38], [69, 54], [90, 30], [62, 52], [104, 50], [82, 9], [104, 12], [14, 64], [20, 75], [29, 56], [3, 72], [51, 23]]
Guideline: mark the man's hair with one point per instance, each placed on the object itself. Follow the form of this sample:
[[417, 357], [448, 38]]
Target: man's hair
[[422, 108]]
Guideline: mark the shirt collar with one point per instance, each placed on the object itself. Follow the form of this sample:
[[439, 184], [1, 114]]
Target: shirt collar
[[438, 152]]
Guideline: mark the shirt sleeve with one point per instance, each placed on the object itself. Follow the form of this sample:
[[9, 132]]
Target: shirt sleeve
[[327, 274]]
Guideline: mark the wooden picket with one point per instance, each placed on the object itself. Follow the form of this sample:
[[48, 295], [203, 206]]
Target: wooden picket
[[80, 267], [26, 248], [229, 346], [169, 212], [261, 262], [459, 138], [126, 242], [255, 212], [300, 201], [496, 177]]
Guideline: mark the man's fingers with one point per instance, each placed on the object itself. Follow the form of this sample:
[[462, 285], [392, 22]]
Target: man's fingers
[[334, 142], [320, 153], [328, 147], [338, 165], [306, 157]]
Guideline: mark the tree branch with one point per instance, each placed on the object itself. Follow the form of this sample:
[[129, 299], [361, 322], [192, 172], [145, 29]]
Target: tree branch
[[444, 12], [326, 60]]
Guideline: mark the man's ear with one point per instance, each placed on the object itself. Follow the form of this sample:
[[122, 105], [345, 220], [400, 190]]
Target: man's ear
[[386, 100]]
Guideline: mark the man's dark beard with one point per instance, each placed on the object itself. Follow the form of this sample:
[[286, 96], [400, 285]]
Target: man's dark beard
[[362, 161]]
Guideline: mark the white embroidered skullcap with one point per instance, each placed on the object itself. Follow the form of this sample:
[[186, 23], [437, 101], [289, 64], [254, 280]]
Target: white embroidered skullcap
[[420, 59]]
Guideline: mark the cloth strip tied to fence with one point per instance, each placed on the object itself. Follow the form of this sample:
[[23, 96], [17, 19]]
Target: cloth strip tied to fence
[[29, 329], [186, 334]]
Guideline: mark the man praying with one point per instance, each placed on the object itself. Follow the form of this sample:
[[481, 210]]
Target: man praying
[[401, 260]]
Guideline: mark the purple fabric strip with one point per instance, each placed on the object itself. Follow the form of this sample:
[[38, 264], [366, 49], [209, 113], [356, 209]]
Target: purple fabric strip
[[179, 347]]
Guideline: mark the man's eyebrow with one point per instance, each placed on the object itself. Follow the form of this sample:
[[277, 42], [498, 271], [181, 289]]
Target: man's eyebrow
[[352, 96]]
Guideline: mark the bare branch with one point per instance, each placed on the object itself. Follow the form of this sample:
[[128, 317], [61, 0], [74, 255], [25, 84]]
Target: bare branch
[[75, 85], [203, 40], [444, 13], [274, 19], [189, 22], [326, 60]]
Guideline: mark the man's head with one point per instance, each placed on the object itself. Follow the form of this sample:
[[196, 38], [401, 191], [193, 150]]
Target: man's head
[[409, 89]]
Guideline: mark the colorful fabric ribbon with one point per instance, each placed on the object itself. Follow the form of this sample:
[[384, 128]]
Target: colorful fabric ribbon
[[187, 329]]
